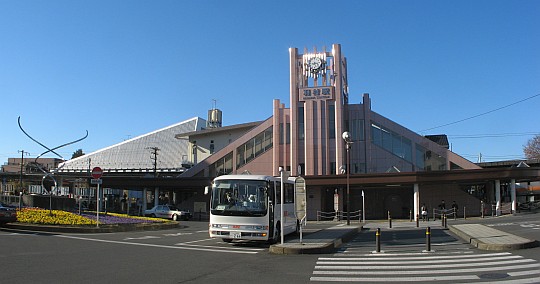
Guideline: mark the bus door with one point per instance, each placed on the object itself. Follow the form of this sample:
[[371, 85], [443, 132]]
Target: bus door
[[271, 209]]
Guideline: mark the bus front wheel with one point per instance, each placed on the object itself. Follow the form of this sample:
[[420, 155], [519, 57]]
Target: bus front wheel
[[277, 234]]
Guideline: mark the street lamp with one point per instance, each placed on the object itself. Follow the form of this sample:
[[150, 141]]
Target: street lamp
[[347, 138]]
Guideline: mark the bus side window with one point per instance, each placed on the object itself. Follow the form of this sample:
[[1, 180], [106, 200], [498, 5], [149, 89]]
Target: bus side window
[[278, 193], [289, 193]]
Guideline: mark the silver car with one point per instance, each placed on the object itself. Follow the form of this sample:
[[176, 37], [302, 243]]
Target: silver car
[[168, 212]]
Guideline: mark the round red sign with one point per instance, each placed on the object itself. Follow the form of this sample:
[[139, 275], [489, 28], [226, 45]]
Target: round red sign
[[97, 172]]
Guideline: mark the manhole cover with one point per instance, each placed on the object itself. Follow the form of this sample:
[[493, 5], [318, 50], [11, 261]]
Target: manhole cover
[[494, 275]]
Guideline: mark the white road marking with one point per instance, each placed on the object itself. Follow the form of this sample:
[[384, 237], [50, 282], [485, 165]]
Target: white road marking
[[142, 238], [198, 241], [397, 279], [177, 234], [231, 248], [159, 246]]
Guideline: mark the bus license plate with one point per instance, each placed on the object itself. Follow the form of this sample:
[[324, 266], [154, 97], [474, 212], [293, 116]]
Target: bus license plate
[[236, 235]]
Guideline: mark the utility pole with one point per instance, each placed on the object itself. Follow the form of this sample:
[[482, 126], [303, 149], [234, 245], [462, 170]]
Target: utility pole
[[156, 190], [154, 158], [22, 168]]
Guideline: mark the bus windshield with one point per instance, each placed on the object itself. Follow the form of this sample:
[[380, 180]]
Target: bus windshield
[[239, 198]]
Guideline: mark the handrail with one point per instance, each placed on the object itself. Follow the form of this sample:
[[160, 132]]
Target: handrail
[[339, 215], [441, 212]]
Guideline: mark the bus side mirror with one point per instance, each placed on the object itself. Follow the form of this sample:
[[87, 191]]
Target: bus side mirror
[[206, 190]]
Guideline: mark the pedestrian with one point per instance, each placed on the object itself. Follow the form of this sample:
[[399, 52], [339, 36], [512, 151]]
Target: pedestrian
[[454, 208], [423, 211], [442, 208]]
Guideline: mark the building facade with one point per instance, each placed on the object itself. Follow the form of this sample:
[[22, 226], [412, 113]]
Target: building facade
[[391, 168], [306, 139]]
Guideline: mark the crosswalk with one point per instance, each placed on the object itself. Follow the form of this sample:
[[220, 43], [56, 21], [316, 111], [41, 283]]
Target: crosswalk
[[443, 267]]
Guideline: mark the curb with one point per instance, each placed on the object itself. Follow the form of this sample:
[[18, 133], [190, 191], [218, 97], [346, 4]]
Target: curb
[[93, 229], [485, 242], [313, 248]]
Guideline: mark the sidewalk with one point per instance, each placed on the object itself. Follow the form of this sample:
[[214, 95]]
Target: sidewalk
[[333, 235], [487, 238]]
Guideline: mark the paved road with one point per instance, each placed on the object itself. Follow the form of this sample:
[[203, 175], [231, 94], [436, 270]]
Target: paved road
[[187, 255], [403, 258], [171, 256]]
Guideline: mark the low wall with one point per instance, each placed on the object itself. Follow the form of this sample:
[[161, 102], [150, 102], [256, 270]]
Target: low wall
[[44, 201]]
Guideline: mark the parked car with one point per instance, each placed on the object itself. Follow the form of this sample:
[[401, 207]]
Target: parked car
[[7, 214], [168, 212]]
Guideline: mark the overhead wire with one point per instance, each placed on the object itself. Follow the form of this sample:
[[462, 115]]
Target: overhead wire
[[481, 114]]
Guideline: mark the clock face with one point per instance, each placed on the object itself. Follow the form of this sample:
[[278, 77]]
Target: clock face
[[315, 63]]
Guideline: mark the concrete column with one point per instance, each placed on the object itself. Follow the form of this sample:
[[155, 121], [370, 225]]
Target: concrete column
[[156, 196], [416, 199], [145, 201], [513, 195], [498, 197]]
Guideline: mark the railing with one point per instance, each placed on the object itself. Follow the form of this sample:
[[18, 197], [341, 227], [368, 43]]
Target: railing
[[505, 208], [440, 212], [10, 199], [339, 215], [529, 206]]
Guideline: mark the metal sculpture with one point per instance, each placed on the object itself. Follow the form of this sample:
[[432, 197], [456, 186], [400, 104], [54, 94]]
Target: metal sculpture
[[48, 174]]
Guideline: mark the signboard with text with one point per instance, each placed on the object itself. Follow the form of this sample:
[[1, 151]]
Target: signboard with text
[[316, 93], [300, 192]]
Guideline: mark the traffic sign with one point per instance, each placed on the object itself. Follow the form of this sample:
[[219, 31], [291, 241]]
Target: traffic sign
[[96, 181], [97, 172]]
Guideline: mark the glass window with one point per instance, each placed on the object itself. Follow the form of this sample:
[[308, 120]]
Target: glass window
[[396, 145], [331, 121], [376, 135], [386, 140], [300, 122], [268, 134], [406, 145], [258, 144], [240, 152], [239, 198], [357, 129], [420, 157], [281, 134], [288, 133], [227, 163], [332, 168], [254, 147]]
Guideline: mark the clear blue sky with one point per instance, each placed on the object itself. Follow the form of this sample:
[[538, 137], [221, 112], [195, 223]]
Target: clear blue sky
[[120, 69]]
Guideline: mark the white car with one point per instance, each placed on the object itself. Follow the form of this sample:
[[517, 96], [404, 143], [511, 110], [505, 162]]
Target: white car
[[168, 212]]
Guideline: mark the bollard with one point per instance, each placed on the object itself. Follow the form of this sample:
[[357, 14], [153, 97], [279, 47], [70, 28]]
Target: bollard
[[410, 215], [442, 220], [428, 239], [389, 220], [378, 240], [464, 215], [417, 221], [445, 221]]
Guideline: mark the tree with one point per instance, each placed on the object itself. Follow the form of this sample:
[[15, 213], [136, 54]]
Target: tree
[[77, 153], [532, 148]]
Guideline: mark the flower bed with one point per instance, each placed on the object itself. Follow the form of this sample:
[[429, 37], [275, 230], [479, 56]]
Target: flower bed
[[58, 217]]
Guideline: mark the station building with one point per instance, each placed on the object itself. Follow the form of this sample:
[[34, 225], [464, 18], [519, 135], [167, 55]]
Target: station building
[[381, 164]]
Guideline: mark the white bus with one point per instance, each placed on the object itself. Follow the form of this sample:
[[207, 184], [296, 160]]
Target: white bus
[[247, 207]]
